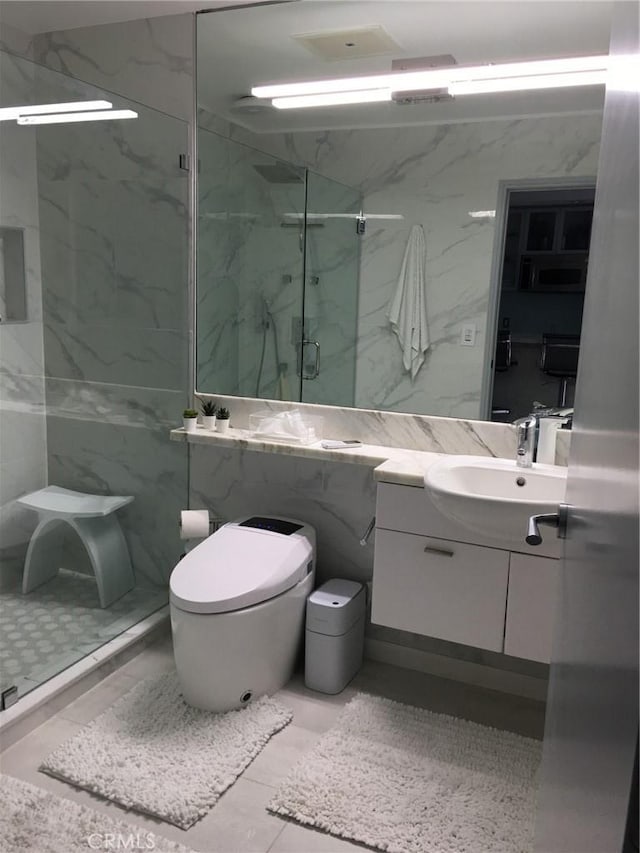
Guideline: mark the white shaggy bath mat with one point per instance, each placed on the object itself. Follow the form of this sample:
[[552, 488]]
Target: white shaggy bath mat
[[152, 752], [35, 821], [406, 780]]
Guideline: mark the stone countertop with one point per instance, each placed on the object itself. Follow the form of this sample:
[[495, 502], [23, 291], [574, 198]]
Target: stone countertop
[[390, 464]]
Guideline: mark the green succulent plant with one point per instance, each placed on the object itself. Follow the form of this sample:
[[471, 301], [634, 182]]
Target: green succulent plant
[[207, 407], [223, 414], [189, 413]]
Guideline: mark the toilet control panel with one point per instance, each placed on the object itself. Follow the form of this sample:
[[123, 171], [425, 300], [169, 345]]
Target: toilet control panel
[[275, 525]]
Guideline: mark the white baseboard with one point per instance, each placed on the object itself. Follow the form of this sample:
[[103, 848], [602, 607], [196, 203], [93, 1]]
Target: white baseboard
[[458, 670]]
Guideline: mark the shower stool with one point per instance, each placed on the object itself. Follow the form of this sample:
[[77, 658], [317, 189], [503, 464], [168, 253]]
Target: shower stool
[[92, 517]]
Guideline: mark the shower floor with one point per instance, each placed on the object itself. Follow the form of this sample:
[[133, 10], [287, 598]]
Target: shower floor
[[61, 622]]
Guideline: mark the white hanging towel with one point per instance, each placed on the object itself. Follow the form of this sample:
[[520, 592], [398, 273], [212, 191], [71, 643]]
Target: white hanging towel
[[408, 309]]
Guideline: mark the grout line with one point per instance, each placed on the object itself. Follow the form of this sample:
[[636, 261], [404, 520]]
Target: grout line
[[270, 847]]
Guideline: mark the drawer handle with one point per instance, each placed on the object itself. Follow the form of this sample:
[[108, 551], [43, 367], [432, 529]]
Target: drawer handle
[[430, 549]]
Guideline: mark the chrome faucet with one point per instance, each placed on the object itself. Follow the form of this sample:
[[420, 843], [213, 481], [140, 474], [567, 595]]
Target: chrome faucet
[[527, 429], [526, 432]]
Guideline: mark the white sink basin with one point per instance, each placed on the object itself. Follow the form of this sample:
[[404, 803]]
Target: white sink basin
[[494, 496]]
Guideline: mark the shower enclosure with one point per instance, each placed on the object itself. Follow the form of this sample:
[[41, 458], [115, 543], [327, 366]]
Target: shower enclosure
[[93, 358], [277, 277]]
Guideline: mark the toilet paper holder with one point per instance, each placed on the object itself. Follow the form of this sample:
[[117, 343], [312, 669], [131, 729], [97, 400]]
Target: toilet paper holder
[[213, 523]]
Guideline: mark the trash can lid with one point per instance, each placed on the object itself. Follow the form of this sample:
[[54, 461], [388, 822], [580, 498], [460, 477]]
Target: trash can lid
[[335, 607]]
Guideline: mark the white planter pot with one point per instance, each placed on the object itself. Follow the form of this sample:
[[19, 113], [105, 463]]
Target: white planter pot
[[209, 422], [222, 425], [189, 424]]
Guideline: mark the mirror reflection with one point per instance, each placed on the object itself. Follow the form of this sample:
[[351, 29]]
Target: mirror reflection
[[306, 216]]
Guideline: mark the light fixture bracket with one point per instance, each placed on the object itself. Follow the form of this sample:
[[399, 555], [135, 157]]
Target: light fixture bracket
[[423, 63]]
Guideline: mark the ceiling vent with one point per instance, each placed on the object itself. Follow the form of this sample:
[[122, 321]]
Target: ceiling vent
[[335, 45], [423, 63]]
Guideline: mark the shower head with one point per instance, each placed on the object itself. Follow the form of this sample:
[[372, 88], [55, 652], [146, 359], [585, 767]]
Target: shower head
[[279, 173]]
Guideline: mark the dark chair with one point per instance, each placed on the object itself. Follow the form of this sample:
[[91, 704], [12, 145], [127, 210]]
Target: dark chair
[[502, 360], [559, 358]]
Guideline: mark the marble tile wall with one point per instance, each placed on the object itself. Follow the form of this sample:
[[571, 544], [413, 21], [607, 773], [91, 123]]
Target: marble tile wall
[[23, 447], [339, 500], [249, 270], [14, 40], [148, 60], [434, 176], [114, 242], [250, 246], [331, 291], [391, 429]]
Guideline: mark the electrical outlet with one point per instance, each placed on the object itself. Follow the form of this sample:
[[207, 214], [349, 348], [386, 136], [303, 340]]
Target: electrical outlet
[[468, 335]]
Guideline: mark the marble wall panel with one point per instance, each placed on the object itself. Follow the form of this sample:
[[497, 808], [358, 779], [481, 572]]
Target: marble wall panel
[[14, 40], [338, 500], [149, 60], [391, 429], [114, 229], [135, 459], [23, 447], [114, 224], [249, 270], [331, 290]]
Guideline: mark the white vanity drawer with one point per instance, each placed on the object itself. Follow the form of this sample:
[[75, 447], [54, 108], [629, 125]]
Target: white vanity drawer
[[439, 588], [533, 589], [410, 509]]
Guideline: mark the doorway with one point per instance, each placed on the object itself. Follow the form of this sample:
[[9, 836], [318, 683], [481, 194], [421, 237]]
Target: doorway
[[542, 276]]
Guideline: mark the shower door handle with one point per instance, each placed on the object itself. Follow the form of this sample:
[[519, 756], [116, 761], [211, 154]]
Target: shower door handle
[[316, 366]]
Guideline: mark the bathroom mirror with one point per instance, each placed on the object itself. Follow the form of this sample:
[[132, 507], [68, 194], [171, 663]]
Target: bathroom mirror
[[305, 214]]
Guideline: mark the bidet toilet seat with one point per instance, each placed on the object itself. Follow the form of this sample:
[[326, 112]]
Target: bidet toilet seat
[[244, 563]]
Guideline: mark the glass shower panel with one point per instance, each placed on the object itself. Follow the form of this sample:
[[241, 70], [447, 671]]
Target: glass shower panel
[[250, 263], [330, 292], [95, 375]]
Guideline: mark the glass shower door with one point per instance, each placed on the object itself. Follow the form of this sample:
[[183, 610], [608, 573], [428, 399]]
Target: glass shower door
[[250, 262], [327, 352]]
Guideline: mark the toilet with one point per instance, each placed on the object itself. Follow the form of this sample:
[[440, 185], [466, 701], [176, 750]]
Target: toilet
[[237, 604]]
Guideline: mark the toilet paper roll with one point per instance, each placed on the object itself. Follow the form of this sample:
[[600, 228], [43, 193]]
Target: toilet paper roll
[[194, 523]]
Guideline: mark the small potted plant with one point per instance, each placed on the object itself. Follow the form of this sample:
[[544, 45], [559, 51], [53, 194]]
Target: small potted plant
[[208, 409], [189, 420], [222, 419]]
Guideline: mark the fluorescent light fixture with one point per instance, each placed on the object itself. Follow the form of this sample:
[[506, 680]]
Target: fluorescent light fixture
[[349, 85], [434, 78], [12, 113], [521, 84], [330, 99], [66, 118], [482, 214]]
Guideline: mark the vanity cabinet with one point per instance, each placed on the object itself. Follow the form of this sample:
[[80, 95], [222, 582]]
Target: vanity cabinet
[[428, 578], [447, 589], [531, 598]]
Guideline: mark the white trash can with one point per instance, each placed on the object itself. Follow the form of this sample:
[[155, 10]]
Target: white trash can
[[334, 639]]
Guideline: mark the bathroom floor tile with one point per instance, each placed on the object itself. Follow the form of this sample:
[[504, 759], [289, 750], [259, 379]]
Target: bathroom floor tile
[[312, 710], [303, 839], [280, 755], [94, 701], [23, 758], [154, 660], [239, 822]]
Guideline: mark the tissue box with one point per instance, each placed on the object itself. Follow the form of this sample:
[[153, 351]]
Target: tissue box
[[291, 427]]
